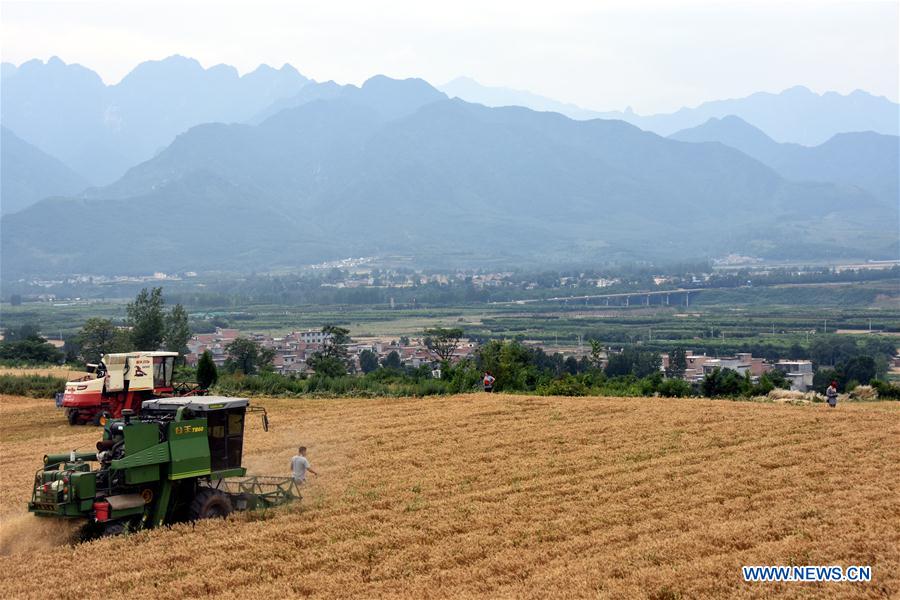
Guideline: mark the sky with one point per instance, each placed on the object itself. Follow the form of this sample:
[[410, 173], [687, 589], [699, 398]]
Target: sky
[[652, 55]]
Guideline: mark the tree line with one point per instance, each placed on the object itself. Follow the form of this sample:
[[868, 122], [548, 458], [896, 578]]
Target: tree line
[[147, 326]]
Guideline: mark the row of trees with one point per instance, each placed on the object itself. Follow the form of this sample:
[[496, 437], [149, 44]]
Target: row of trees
[[148, 326], [26, 345]]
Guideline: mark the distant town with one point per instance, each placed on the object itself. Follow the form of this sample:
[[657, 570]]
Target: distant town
[[292, 350]]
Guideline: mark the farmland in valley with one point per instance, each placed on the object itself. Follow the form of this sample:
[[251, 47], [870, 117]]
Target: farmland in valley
[[499, 496]]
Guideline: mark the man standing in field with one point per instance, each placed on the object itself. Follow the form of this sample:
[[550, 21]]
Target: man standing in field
[[831, 394], [300, 465], [488, 382]]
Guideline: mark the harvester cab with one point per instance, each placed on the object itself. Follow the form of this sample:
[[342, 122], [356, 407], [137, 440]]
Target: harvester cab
[[121, 381], [180, 459]]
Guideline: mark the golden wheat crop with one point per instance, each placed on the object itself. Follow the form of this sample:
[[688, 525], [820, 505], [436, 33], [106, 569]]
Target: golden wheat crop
[[501, 496], [61, 372]]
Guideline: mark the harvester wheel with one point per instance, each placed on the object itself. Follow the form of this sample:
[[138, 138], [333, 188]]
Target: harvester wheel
[[111, 529], [72, 416], [210, 504]]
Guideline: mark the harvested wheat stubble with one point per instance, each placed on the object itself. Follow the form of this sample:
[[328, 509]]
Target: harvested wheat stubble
[[508, 496]]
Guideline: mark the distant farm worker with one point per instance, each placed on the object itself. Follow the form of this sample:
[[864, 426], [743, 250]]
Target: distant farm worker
[[831, 394], [300, 465], [489, 381]]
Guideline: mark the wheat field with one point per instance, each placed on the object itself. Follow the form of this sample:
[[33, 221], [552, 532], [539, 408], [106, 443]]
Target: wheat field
[[499, 496]]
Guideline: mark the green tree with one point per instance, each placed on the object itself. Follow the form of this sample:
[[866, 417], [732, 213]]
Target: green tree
[[724, 382], [442, 341], [392, 361], [368, 361], [100, 336], [331, 360], [247, 356], [27, 345], [146, 319], [860, 369], [677, 363], [598, 355], [207, 373], [178, 332], [26, 331], [631, 361]]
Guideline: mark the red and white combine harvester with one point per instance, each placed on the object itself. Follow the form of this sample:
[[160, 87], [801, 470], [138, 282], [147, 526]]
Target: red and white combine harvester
[[122, 381]]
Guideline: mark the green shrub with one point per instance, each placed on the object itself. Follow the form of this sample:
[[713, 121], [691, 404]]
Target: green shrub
[[567, 386], [674, 388], [34, 386], [886, 390]]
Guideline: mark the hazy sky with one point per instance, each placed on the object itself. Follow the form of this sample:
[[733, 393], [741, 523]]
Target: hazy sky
[[655, 55]]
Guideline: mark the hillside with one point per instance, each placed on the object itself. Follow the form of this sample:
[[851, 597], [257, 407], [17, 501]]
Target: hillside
[[393, 166], [503, 496], [28, 174], [866, 159]]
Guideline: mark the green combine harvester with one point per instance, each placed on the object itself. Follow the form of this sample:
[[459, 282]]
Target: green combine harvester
[[179, 461]]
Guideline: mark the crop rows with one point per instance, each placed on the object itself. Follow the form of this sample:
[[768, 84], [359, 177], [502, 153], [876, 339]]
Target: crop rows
[[504, 496]]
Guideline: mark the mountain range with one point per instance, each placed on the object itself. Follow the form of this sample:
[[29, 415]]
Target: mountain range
[[796, 115], [101, 130], [178, 167], [397, 167], [865, 159]]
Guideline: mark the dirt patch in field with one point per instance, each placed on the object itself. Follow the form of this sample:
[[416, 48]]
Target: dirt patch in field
[[506, 496]]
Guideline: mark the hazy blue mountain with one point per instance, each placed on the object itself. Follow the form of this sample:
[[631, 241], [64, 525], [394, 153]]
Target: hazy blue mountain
[[865, 159], [466, 88], [795, 115], [735, 132], [102, 130], [390, 97], [395, 167], [28, 174], [7, 69], [314, 90]]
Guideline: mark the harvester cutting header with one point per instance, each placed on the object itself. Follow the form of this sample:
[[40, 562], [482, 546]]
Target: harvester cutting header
[[122, 381]]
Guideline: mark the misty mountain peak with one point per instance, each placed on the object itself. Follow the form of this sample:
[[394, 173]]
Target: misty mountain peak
[[394, 98], [798, 90]]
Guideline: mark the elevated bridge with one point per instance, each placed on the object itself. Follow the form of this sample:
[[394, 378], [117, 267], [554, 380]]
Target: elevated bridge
[[639, 298]]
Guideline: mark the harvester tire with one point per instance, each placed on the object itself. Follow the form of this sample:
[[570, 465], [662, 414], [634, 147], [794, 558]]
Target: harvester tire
[[210, 504], [72, 416], [113, 529]]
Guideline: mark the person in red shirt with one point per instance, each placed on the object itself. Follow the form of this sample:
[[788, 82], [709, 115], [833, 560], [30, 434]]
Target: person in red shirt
[[489, 381]]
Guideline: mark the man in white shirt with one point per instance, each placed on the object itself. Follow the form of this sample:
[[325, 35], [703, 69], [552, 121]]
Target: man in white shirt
[[300, 465]]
